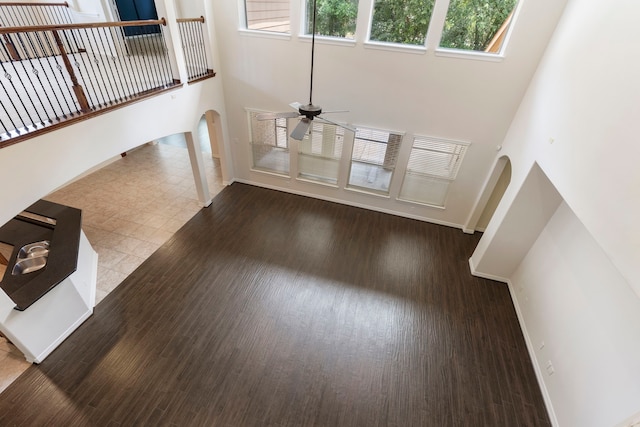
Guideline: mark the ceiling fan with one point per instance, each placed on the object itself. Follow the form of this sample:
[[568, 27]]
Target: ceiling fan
[[309, 111]]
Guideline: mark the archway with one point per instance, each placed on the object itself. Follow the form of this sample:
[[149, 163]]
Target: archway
[[211, 135], [488, 201]]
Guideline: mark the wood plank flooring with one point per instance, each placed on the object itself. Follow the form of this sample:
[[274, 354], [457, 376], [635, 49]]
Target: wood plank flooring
[[270, 309]]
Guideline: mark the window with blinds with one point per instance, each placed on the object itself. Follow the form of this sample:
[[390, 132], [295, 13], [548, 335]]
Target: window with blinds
[[319, 153], [268, 15], [269, 144], [373, 159], [433, 165]]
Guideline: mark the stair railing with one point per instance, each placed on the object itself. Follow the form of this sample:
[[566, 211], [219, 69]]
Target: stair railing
[[23, 14], [52, 76], [194, 48]]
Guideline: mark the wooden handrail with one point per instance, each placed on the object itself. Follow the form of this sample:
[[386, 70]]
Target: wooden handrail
[[34, 28], [65, 4], [201, 19]]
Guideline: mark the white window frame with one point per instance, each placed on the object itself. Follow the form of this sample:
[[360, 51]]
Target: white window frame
[[320, 37], [244, 24], [474, 54], [402, 47], [366, 189], [433, 169], [281, 143], [340, 135]]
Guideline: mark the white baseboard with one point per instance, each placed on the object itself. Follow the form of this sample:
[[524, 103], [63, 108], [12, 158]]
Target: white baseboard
[[534, 359], [527, 339], [349, 203], [477, 273]]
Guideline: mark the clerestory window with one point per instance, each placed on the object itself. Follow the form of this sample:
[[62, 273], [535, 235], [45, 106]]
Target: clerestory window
[[334, 18], [268, 15], [477, 25], [401, 21]]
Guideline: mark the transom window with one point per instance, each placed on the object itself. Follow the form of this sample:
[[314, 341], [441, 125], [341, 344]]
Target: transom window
[[334, 18], [478, 25], [433, 165], [373, 159], [268, 15], [401, 21]]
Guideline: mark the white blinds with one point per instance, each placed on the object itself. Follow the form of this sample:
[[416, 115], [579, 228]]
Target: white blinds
[[373, 159], [319, 153], [376, 147], [436, 157], [269, 146], [433, 164]]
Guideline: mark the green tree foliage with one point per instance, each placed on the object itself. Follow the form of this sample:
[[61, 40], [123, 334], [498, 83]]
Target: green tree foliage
[[401, 21], [335, 18], [471, 24]]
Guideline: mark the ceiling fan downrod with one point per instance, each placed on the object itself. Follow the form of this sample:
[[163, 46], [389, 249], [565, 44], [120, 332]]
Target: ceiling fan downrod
[[310, 111]]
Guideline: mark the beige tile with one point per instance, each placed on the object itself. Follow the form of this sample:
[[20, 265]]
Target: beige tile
[[108, 258], [159, 236], [11, 367], [186, 215], [144, 232], [109, 279], [108, 239], [173, 225], [127, 228], [100, 294], [147, 248], [93, 219], [115, 224], [128, 264], [129, 245]]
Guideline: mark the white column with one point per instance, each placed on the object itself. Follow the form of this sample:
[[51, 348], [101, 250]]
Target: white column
[[197, 166]]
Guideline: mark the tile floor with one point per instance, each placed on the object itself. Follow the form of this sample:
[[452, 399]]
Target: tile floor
[[129, 209]]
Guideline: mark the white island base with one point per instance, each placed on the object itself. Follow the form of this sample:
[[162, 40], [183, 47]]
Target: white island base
[[39, 329]]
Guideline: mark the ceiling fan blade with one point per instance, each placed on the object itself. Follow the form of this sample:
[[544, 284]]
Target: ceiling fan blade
[[295, 105], [335, 111], [271, 116], [301, 129], [331, 122]]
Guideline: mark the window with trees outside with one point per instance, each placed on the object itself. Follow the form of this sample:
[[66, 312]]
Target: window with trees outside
[[433, 165], [319, 153], [373, 159], [334, 18], [268, 15], [477, 25], [269, 144], [401, 21]]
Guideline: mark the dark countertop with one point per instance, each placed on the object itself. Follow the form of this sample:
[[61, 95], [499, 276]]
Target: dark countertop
[[62, 260]]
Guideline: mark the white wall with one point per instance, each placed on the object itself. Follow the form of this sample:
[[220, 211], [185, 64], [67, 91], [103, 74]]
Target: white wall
[[416, 93], [578, 120], [576, 302], [579, 123]]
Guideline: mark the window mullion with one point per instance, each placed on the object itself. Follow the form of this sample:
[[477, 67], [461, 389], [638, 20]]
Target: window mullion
[[439, 15]]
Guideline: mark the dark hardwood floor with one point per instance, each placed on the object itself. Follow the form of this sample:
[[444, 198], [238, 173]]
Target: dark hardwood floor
[[270, 309]]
